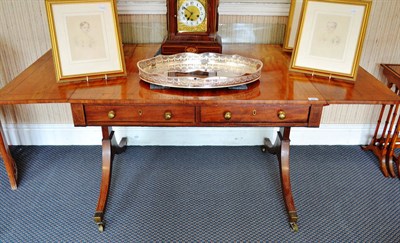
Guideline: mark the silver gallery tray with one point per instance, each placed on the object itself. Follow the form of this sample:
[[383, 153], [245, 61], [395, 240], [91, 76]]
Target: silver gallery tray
[[199, 71]]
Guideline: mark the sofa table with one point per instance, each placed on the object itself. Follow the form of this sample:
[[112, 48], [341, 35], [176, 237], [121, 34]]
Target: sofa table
[[278, 99]]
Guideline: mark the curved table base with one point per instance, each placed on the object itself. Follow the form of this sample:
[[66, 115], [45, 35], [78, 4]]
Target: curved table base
[[281, 149], [383, 147], [109, 149], [380, 152]]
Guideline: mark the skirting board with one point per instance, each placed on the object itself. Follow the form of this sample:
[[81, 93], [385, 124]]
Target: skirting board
[[66, 134]]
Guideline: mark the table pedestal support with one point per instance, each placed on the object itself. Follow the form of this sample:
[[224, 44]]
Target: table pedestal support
[[281, 149], [109, 149]]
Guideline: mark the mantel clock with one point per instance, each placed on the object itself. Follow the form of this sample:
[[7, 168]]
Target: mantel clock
[[192, 27]]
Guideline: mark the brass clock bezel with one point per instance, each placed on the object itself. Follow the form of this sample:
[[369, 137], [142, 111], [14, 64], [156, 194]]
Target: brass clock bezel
[[183, 28]]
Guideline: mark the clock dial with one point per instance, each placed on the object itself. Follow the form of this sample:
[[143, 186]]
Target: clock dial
[[192, 16]]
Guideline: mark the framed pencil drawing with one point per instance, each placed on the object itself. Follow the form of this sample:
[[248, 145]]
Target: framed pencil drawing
[[330, 38], [292, 25], [85, 39]]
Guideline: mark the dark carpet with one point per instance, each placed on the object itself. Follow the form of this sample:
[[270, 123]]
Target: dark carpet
[[198, 194]]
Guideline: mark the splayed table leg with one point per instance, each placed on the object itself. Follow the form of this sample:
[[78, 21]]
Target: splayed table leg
[[109, 149], [9, 162], [281, 149]]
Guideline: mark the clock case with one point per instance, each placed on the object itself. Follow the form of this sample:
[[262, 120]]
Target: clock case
[[196, 42]]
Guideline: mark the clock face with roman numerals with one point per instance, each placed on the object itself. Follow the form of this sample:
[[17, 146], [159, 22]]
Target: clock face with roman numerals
[[192, 16]]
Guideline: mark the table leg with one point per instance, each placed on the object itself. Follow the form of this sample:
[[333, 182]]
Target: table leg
[[396, 160], [391, 158], [390, 144], [376, 145], [281, 149], [109, 149], [9, 162], [379, 146]]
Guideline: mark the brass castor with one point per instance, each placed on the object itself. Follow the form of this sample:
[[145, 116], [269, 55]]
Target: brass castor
[[264, 149], [294, 227], [100, 227]]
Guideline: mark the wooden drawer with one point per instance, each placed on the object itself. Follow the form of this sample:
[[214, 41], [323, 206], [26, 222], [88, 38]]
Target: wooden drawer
[[256, 113], [139, 113]]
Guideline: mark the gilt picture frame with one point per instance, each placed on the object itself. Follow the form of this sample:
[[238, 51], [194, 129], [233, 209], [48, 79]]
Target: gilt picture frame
[[292, 25], [85, 38], [330, 38]]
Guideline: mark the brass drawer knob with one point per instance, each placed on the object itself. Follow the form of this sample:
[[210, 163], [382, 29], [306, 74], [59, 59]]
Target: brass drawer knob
[[111, 114], [228, 115], [167, 115], [281, 115]]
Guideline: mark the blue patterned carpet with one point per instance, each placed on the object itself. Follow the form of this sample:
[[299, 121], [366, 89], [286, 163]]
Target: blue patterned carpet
[[198, 194]]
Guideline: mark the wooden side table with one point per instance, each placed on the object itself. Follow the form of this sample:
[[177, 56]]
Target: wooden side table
[[384, 146], [278, 99]]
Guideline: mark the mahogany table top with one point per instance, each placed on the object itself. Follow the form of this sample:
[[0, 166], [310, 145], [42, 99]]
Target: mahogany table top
[[37, 84]]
